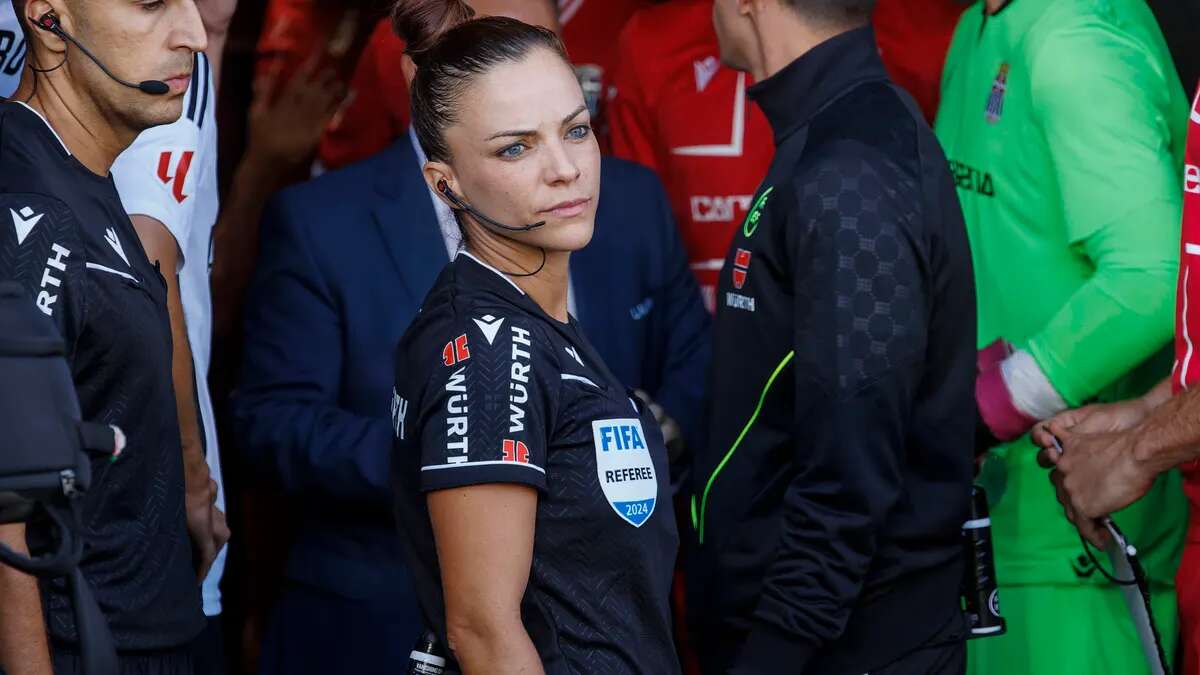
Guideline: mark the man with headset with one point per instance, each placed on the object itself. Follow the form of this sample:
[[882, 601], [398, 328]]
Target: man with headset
[[99, 73]]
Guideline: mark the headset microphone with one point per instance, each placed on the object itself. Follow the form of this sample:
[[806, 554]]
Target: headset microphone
[[458, 202], [49, 22]]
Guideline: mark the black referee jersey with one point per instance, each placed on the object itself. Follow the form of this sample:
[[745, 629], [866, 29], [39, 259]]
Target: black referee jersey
[[68, 240], [490, 389]]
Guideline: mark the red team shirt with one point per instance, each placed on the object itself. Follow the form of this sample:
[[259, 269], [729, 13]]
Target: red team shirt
[[1186, 373], [674, 108], [913, 38], [677, 110]]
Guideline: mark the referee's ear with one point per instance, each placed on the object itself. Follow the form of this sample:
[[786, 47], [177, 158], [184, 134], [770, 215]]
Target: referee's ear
[[438, 174], [44, 44]]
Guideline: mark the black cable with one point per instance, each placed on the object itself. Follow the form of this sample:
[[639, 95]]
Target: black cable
[[1087, 548], [529, 274], [48, 70]]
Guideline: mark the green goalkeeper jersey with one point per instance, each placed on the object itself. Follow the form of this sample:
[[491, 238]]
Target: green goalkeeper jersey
[[1064, 123]]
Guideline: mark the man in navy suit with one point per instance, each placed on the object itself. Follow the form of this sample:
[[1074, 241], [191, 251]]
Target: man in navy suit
[[346, 262]]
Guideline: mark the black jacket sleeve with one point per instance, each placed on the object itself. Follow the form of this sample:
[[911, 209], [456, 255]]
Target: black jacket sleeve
[[861, 307]]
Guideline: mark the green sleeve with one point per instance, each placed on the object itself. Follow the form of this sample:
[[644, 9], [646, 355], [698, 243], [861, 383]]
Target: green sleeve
[[1103, 103]]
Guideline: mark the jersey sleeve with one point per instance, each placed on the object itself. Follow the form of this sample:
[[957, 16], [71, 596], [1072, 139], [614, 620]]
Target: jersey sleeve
[[487, 408], [630, 125], [41, 248], [1110, 118], [158, 174]]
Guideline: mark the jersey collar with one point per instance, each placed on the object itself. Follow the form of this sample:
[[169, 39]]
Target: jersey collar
[[495, 272], [793, 95], [47, 123]]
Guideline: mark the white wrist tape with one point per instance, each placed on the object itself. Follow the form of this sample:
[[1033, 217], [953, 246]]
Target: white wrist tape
[[1031, 391]]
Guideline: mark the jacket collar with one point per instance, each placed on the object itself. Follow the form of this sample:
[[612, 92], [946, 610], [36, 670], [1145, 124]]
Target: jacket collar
[[791, 97]]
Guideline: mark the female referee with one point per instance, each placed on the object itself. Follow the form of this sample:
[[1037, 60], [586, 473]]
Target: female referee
[[532, 488]]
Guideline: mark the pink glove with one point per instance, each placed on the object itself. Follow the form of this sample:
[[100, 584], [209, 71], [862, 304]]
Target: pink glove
[[991, 355], [996, 406]]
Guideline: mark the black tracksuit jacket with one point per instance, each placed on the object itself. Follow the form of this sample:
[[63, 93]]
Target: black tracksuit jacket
[[829, 501]]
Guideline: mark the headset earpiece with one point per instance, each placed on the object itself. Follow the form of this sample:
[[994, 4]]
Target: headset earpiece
[[48, 22]]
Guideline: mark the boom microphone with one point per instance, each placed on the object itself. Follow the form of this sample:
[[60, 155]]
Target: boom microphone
[[462, 205], [49, 22]]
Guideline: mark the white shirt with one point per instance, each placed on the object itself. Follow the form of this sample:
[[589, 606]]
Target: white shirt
[[12, 50], [170, 174], [451, 235]]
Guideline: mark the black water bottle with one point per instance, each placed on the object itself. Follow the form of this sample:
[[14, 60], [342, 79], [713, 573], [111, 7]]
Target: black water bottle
[[427, 657], [980, 593]]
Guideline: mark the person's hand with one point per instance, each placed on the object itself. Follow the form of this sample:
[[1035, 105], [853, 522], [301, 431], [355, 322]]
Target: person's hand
[[1091, 419], [204, 528], [1095, 475], [286, 121]]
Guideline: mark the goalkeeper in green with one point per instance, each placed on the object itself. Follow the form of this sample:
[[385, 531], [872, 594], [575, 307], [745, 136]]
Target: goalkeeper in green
[[1064, 124]]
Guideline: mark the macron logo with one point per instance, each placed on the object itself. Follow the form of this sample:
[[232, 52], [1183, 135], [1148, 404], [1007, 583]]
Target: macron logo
[[110, 235], [24, 221], [705, 70], [489, 325], [574, 354]]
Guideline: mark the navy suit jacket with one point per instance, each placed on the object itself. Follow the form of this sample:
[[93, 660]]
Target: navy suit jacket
[[346, 261]]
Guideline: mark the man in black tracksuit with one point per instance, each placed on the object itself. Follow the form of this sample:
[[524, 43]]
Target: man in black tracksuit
[[829, 502]]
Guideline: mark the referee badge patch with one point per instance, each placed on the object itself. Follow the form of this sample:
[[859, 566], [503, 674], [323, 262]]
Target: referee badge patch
[[624, 468]]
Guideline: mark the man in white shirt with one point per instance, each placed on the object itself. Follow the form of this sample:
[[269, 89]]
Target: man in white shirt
[[167, 181]]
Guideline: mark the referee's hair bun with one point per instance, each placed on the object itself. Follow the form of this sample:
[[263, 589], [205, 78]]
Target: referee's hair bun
[[422, 22]]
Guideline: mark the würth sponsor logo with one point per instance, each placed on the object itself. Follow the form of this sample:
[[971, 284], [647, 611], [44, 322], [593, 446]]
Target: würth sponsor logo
[[456, 417], [45, 299], [518, 382]]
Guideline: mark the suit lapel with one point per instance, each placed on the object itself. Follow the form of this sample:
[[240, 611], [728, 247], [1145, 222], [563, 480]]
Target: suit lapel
[[407, 222]]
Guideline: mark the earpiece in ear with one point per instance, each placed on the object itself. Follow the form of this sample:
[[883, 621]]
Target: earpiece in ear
[[48, 21], [443, 187]]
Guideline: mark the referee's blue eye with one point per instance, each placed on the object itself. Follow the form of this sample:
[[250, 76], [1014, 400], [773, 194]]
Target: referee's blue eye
[[512, 151], [579, 132]]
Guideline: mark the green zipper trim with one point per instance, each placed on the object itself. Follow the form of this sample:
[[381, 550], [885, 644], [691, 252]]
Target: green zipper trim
[[698, 523]]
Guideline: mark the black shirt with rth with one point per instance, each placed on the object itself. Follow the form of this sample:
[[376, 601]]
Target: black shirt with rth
[[68, 241], [490, 389]]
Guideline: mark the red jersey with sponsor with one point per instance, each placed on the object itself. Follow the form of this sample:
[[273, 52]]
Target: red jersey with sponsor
[[677, 110], [1187, 318], [913, 37]]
